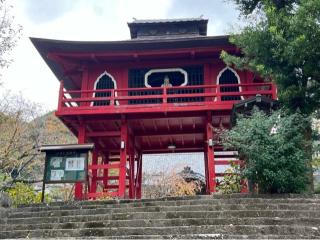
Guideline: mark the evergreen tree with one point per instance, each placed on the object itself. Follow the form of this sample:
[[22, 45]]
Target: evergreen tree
[[281, 43]]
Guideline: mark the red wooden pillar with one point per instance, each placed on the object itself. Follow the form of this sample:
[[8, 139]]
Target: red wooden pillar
[[206, 167], [209, 150], [78, 189], [93, 187], [61, 96], [131, 177], [105, 171], [123, 157], [138, 184]]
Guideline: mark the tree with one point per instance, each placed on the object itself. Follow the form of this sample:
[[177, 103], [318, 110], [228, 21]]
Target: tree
[[9, 33], [281, 43], [167, 184], [20, 137], [272, 147], [249, 6]]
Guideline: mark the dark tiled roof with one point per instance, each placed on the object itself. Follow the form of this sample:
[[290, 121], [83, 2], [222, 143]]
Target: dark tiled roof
[[188, 174], [168, 20], [166, 28]]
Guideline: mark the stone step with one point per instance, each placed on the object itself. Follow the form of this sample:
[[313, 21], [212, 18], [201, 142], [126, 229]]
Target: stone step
[[207, 201], [195, 236], [313, 222], [208, 236], [167, 215], [235, 216], [297, 230], [203, 207]]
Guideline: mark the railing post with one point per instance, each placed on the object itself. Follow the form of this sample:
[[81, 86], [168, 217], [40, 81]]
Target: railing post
[[165, 96], [61, 95], [218, 93], [112, 97]]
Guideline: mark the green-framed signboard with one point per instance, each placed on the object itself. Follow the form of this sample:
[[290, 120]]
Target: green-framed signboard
[[66, 166], [65, 163]]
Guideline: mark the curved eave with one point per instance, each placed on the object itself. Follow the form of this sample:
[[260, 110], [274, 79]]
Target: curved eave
[[48, 46]]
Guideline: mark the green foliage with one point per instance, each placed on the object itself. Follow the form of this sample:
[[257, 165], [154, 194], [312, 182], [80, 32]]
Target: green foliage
[[249, 6], [23, 193], [281, 43], [231, 180], [274, 150]]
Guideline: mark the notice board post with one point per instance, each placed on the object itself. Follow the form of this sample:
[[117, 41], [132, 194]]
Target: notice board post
[[66, 164]]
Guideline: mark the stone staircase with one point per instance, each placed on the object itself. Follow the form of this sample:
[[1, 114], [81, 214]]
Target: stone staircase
[[238, 216]]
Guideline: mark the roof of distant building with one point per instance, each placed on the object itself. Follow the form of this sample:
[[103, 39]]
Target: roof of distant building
[[189, 175]]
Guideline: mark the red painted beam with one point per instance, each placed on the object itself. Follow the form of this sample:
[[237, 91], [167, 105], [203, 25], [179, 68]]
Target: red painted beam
[[144, 108], [101, 178], [178, 149], [162, 132], [103, 166]]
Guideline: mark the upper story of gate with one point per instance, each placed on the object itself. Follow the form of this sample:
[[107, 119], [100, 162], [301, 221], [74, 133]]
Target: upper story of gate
[[167, 66]]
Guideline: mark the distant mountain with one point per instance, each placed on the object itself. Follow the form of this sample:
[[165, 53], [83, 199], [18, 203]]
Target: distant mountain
[[51, 131], [54, 131]]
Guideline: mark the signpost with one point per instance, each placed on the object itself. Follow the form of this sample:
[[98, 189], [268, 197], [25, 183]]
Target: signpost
[[65, 164]]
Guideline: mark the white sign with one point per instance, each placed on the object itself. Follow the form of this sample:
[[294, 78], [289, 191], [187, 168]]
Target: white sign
[[56, 162], [56, 175], [75, 164]]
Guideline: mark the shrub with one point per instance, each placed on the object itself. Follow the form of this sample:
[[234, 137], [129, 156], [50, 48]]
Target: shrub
[[274, 148], [23, 193], [164, 184], [231, 180]]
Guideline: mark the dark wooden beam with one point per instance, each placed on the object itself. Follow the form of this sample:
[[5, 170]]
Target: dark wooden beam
[[104, 134], [170, 133]]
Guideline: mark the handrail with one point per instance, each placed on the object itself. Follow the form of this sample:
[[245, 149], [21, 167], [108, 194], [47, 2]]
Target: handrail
[[173, 87], [163, 95]]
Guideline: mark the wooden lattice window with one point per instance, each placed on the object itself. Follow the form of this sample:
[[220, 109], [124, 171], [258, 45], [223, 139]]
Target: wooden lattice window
[[104, 81], [229, 76], [194, 76]]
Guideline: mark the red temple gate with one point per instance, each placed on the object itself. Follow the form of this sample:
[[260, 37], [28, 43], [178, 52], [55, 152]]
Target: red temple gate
[[114, 94]]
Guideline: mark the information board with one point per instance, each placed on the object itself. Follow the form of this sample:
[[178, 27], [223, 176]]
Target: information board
[[66, 166]]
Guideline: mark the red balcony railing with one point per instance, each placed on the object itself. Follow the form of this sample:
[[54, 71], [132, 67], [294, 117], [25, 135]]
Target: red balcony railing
[[211, 95]]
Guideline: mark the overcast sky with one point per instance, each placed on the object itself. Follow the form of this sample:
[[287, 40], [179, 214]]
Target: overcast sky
[[91, 20]]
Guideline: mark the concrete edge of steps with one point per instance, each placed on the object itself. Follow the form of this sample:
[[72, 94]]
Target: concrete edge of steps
[[163, 222], [213, 196], [181, 230], [210, 206]]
